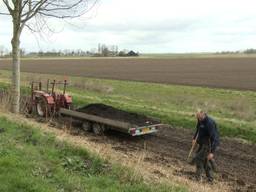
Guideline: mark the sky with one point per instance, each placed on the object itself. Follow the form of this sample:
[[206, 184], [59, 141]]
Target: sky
[[147, 26]]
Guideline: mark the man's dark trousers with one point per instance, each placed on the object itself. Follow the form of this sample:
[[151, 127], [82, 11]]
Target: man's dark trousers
[[202, 163]]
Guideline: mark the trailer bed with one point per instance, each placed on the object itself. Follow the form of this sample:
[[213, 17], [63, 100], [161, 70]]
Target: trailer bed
[[110, 112], [123, 121]]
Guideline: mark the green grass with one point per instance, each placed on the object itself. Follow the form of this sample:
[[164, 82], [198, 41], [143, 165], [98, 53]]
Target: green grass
[[35, 161], [234, 111]]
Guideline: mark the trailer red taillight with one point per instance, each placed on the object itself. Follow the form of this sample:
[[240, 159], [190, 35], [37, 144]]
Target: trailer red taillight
[[133, 131]]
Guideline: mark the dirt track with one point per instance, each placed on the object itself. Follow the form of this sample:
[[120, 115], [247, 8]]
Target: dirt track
[[236, 162], [235, 73], [168, 150]]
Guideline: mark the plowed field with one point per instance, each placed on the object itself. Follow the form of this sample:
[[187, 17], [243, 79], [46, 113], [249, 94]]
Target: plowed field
[[234, 73]]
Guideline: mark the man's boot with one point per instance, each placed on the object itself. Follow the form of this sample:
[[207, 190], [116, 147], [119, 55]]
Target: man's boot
[[210, 180], [209, 173], [199, 171]]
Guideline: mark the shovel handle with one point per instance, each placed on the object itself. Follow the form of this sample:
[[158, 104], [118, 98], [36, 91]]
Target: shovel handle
[[191, 150], [192, 147]]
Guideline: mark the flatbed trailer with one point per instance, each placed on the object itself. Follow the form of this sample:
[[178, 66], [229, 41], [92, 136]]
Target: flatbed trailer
[[97, 117], [100, 124]]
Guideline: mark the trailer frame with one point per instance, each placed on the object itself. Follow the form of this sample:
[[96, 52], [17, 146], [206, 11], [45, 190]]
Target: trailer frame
[[106, 123]]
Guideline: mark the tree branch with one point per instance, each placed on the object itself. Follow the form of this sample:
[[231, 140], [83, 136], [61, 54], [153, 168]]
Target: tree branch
[[25, 3], [31, 13], [30, 28], [6, 2], [60, 16], [4, 13], [55, 12], [64, 7]]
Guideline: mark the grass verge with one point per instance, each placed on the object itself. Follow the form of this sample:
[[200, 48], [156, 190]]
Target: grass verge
[[35, 161]]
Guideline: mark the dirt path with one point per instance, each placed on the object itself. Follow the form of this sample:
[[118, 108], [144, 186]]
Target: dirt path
[[168, 150], [236, 161], [162, 157]]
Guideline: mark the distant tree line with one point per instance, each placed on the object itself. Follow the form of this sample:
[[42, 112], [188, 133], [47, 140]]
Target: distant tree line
[[247, 51], [250, 51], [103, 51], [112, 51], [60, 53]]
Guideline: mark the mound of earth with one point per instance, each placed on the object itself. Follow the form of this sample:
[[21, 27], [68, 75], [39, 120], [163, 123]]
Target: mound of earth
[[110, 112]]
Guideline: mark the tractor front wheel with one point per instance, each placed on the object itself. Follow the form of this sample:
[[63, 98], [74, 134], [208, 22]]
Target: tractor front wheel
[[42, 108]]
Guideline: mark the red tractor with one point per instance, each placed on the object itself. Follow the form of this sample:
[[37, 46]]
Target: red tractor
[[46, 103]]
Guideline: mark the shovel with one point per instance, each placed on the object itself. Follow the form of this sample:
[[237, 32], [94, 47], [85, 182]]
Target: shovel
[[191, 151], [192, 148]]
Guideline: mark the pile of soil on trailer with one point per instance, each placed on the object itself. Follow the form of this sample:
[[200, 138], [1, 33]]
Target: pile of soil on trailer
[[110, 112]]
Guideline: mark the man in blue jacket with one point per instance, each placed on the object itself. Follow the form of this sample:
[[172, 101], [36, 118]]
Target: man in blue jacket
[[207, 137]]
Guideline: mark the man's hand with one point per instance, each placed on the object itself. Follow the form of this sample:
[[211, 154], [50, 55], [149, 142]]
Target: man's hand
[[210, 156], [193, 142]]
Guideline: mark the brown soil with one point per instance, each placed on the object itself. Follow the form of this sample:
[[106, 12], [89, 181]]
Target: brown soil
[[110, 112], [236, 161], [235, 73], [167, 151]]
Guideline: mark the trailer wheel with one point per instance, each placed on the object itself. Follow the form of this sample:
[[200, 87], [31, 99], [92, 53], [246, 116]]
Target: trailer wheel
[[87, 126], [42, 108], [98, 129]]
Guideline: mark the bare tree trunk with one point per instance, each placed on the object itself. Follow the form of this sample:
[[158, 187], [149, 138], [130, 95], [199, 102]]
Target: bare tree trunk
[[21, 12], [15, 108]]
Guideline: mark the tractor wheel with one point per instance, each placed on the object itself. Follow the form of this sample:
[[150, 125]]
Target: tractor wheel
[[98, 129], [42, 108], [87, 126]]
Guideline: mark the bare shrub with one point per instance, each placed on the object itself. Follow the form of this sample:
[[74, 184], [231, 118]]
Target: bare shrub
[[5, 100]]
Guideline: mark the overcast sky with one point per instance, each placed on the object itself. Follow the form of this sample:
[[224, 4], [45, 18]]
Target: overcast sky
[[151, 27]]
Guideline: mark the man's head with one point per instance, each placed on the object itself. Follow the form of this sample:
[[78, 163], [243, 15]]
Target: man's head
[[200, 115]]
